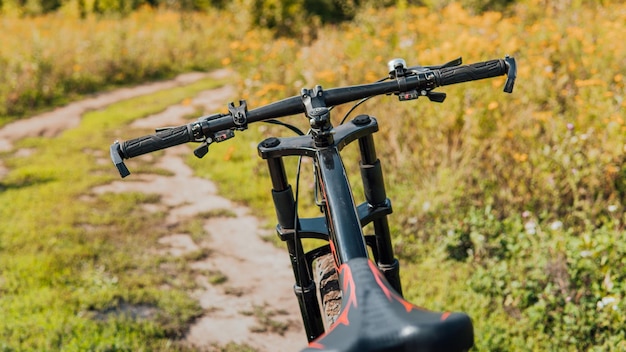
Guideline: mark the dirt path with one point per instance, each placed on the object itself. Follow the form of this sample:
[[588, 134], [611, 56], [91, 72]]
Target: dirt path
[[252, 303], [52, 123]]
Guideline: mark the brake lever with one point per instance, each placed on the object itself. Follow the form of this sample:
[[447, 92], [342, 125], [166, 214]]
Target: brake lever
[[511, 74], [116, 157], [456, 62], [217, 137]]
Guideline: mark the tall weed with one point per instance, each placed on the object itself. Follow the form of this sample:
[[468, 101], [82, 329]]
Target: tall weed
[[51, 59], [527, 190], [515, 204]]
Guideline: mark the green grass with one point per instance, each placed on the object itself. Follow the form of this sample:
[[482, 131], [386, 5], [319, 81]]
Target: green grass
[[265, 322], [508, 207], [50, 60], [68, 255], [233, 347]]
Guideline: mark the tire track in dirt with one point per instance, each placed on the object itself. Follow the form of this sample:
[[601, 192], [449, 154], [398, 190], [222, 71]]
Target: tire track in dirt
[[255, 305], [52, 123]]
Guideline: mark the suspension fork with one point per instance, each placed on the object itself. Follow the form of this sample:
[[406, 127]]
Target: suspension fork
[[375, 196], [304, 287], [342, 223]]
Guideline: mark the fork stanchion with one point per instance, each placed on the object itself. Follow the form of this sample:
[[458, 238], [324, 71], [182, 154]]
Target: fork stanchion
[[375, 195], [304, 287]]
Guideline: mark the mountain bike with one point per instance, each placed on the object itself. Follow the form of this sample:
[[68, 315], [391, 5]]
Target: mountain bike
[[348, 289]]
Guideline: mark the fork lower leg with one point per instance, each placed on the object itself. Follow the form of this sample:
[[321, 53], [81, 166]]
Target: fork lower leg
[[304, 287]]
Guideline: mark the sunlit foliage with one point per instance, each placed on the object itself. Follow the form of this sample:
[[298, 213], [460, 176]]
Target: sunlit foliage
[[509, 207]]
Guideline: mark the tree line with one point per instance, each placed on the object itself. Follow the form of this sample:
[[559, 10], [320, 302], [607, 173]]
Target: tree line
[[269, 11]]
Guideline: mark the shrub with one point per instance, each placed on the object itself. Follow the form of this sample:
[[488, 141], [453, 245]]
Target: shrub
[[525, 191]]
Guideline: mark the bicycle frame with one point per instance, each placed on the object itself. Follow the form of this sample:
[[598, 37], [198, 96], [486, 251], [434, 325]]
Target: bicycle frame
[[343, 221]]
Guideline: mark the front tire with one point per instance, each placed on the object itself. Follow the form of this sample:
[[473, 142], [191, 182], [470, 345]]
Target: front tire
[[327, 280]]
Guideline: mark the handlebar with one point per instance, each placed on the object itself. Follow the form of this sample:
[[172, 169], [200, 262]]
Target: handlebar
[[407, 83], [478, 71], [162, 139]]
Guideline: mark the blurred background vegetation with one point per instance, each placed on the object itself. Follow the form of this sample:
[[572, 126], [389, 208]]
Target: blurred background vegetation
[[508, 207]]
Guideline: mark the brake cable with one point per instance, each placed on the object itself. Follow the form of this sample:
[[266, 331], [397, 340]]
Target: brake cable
[[287, 125], [359, 103]]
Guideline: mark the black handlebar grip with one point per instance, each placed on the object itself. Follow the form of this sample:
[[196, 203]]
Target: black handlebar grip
[[162, 139], [473, 72]]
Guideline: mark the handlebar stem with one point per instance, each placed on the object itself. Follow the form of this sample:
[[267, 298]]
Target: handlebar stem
[[239, 114], [319, 115]]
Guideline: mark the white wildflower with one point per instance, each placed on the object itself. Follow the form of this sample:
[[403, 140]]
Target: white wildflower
[[556, 225], [607, 301], [531, 227]]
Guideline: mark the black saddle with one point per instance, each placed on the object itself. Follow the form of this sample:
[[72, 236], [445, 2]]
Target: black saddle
[[375, 318]]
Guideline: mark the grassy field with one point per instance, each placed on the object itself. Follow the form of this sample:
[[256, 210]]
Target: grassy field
[[73, 263], [509, 207], [57, 58]]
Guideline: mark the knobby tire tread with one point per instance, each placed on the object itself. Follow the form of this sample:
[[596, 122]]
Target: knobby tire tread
[[327, 280]]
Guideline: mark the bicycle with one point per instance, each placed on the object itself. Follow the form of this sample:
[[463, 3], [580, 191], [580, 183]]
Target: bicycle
[[373, 315]]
